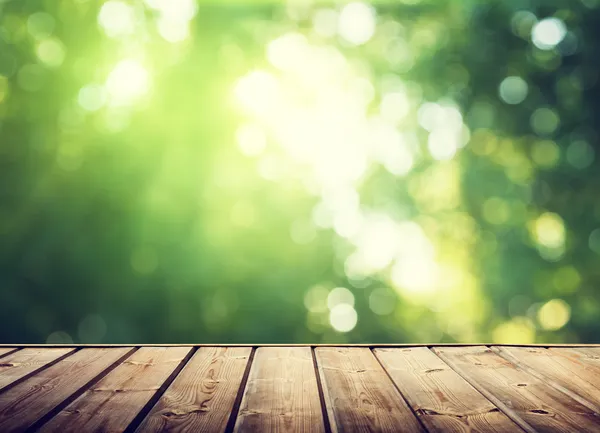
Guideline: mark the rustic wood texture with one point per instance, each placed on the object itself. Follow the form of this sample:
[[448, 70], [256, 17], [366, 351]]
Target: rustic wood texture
[[566, 373], [529, 401], [17, 365], [202, 396], [113, 402], [587, 358], [281, 394], [444, 400], [6, 350], [25, 403], [321, 389], [359, 395]]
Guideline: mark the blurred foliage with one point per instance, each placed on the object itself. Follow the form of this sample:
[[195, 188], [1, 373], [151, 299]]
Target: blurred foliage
[[181, 171]]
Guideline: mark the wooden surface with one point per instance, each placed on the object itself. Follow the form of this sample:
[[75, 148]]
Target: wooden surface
[[439, 395], [281, 393], [18, 365], [317, 389], [533, 403], [113, 402], [202, 397], [358, 393]]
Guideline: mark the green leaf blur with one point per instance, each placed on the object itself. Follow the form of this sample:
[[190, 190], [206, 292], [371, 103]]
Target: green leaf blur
[[269, 172]]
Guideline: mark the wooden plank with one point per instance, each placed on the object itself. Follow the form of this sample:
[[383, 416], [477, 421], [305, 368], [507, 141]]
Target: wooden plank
[[25, 403], [563, 372], [591, 352], [6, 350], [201, 398], [587, 357], [19, 364], [443, 400], [281, 393], [113, 402], [369, 345], [530, 402], [359, 395]]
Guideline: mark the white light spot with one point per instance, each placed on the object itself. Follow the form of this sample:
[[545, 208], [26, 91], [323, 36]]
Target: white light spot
[[51, 52], [513, 90], [390, 148], [394, 106], [174, 10], [343, 318], [257, 91], [288, 51], [91, 97], [315, 300], [338, 296], [548, 33], [127, 82], [554, 314], [434, 116], [357, 23], [415, 274], [442, 145], [377, 243], [173, 31], [116, 19]]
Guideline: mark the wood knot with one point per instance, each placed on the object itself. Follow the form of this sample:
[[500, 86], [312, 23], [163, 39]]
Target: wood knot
[[540, 411], [183, 412]]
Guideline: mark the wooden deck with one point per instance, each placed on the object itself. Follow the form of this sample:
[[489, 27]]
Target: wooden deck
[[449, 388]]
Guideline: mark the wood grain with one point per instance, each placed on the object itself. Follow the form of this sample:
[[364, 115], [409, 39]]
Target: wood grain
[[585, 357], [6, 350], [28, 401], [525, 398], [19, 364], [369, 345], [563, 372], [359, 395], [281, 394], [591, 353], [113, 402], [201, 398], [440, 397]]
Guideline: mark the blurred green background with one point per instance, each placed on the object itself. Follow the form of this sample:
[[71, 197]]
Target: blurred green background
[[417, 171]]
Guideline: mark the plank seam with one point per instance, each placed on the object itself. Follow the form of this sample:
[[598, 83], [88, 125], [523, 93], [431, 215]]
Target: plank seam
[[483, 391], [240, 394], [10, 352], [67, 401], [416, 415], [544, 378], [324, 413], [326, 396], [38, 370], [147, 408]]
